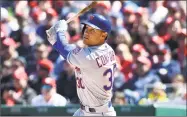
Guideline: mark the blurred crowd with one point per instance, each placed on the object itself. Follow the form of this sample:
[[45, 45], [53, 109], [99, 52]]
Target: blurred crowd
[[149, 39]]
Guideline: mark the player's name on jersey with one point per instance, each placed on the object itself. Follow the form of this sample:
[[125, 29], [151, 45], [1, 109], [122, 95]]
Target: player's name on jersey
[[104, 59]]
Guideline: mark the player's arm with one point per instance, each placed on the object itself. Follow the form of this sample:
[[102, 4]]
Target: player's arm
[[74, 55], [58, 39]]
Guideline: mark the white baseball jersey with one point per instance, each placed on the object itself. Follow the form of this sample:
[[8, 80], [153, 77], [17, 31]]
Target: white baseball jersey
[[56, 100], [94, 73]]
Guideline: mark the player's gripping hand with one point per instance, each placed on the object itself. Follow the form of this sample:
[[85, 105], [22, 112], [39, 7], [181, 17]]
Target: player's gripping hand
[[59, 26]]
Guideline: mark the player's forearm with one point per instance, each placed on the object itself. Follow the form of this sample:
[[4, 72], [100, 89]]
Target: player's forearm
[[56, 36], [62, 45]]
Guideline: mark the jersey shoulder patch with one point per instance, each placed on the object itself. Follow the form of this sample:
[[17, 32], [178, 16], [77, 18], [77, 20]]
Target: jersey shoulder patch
[[76, 50]]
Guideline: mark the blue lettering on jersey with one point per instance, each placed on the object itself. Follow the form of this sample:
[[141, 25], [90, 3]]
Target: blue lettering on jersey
[[76, 50], [106, 58]]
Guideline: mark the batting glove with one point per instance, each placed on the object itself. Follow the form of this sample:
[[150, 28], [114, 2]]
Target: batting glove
[[51, 35], [61, 26]]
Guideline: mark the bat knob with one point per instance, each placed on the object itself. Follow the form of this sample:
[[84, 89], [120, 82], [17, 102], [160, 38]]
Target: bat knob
[[47, 32]]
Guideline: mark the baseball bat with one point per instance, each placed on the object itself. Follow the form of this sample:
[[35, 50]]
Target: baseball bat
[[82, 11], [79, 13]]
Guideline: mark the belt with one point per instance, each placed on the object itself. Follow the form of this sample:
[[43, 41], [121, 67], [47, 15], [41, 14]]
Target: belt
[[97, 109], [89, 109]]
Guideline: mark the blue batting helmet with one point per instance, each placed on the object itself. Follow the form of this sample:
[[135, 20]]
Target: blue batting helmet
[[98, 22]]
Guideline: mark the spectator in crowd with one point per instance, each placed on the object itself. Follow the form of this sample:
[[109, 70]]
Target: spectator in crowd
[[66, 83], [178, 96], [39, 52], [58, 67], [73, 6], [123, 36], [103, 8], [22, 93], [138, 50], [166, 68], [44, 69], [48, 95], [175, 10], [28, 41], [141, 16], [181, 51], [119, 98], [38, 15], [22, 9], [7, 80], [51, 18], [8, 53], [158, 94], [116, 6], [128, 10], [119, 78], [123, 52], [44, 5], [142, 75], [58, 5], [116, 26], [153, 45], [19, 62], [172, 27], [142, 27], [116, 20], [157, 11], [8, 22], [179, 85]]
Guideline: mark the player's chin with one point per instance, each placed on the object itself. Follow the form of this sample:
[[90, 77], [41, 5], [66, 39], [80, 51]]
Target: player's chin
[[86, 41]]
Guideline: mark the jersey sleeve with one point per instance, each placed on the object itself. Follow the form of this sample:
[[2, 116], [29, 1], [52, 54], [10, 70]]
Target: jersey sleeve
[[79, 57], [62, 45]]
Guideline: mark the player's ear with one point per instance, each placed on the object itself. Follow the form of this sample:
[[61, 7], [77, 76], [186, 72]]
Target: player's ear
[[104, 35]]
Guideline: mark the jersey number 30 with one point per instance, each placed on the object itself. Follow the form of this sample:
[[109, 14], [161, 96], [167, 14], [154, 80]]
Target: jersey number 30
[[110, 78]]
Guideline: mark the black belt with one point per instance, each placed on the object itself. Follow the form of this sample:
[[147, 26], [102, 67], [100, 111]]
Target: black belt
[[90, 109]]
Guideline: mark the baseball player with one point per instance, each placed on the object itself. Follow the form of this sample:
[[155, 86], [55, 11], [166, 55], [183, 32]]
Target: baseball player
[[94, 64]]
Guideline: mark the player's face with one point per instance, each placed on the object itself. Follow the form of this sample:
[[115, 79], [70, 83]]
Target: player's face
[[93, 37]]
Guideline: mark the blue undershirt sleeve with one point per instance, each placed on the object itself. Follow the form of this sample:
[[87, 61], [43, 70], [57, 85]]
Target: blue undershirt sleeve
[[62, 45]]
